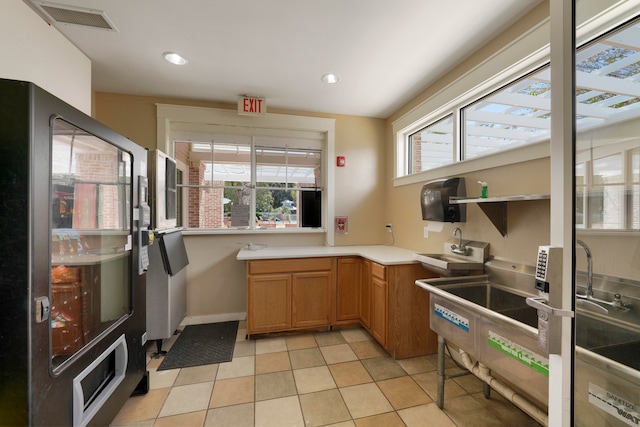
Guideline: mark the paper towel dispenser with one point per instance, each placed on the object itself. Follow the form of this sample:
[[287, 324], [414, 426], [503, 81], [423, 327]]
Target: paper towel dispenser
[[434, 198]]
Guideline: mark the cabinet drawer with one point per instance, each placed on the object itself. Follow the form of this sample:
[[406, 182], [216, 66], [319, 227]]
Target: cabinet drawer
[[379, 271], [288, 265]]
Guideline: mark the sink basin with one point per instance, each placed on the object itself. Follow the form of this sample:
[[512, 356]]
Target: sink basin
[[609, 340], [449, 262], [498, 299], [602, 336], [491, 322]]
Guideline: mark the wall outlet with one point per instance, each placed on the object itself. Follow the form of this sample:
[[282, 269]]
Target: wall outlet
[[426, 232]]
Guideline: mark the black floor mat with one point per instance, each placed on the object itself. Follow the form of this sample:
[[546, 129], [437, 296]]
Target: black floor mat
[[202, 345]]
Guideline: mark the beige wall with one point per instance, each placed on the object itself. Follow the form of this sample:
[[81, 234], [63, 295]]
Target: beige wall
[[528, 22], [528, 222], [34, 51], [360, 189], [216, 281], [135, 116]]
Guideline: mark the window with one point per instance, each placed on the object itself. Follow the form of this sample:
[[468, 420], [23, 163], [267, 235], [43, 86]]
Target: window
[[516, 115], [607, 108], [250, 182], [608, 192], [601, 200], [432, 146], [633, 209], [512, 111]]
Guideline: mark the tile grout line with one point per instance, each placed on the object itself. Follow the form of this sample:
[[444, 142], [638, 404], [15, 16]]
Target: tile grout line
[[317, 346]]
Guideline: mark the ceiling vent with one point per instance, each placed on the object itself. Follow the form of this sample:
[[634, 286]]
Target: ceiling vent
[[64, 14]]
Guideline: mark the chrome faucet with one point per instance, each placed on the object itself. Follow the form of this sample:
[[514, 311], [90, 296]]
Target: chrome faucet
[[460, 248], [588, 296], [589, 292]]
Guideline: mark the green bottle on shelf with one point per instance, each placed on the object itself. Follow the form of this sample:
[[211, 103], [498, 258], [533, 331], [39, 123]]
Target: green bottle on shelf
[[485, 190]]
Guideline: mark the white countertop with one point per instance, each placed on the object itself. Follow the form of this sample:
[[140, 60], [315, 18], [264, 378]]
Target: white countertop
[[386, 255]]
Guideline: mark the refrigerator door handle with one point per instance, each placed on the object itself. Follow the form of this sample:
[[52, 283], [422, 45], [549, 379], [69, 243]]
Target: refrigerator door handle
[[43, 308]]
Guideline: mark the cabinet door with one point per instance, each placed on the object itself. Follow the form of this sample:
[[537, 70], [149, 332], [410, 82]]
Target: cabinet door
[[269, 303], [311, 299], [379, 310], [409, 334], [348, 289], [365, 293]]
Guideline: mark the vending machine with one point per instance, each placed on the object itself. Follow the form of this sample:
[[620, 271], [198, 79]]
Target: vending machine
[[73, 265]]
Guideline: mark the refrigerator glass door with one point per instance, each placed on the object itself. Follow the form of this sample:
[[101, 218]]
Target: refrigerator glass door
[[91, 239]]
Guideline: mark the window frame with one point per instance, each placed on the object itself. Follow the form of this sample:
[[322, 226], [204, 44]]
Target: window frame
[[248, 152], [175, 121], [496, 71], [490, 75], [454, 154]]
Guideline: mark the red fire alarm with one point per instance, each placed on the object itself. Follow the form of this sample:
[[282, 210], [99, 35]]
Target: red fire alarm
[[341, 161]]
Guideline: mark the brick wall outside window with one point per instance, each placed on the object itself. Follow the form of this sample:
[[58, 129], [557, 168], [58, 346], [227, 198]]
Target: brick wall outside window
[[102, 168], [416, 153], [206, 208]]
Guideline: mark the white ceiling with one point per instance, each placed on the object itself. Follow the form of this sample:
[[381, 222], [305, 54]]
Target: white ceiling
[[385, 51]]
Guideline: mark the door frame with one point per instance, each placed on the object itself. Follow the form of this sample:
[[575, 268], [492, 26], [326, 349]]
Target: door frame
[[562, 45]]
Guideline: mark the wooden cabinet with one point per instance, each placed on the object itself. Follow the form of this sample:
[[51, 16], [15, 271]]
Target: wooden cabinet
[[348, 289], [398, 309], [379, 302], [268, 302], [409, 334], [311, 294], [290, 294], [365, 293], [284, 294]]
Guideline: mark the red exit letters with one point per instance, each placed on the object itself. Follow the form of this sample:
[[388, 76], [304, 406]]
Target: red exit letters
[[251, 106]]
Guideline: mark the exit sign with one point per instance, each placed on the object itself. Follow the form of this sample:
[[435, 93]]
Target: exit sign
[[251, 106]]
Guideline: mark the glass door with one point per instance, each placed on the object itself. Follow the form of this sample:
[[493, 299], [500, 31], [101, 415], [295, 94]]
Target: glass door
[[91, 239], [607, 219]]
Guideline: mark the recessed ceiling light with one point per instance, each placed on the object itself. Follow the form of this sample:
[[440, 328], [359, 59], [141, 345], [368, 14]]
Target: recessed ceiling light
[[174, 58], [330, 78]]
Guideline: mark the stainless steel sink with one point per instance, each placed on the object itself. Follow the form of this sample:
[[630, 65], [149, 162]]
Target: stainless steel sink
[[608, 339], [499, 299], [449, 262], [598, 334], [493, 324], [486, 316]]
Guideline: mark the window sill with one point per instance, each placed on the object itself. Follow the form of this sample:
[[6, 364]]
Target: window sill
[[608, 232], [534, 151], [211, 231]]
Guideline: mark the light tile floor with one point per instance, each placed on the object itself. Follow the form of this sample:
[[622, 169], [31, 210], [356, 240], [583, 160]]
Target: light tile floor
[[335, 378]]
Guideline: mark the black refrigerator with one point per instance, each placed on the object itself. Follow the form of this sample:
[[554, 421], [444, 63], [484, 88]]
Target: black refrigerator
[[74, 207]]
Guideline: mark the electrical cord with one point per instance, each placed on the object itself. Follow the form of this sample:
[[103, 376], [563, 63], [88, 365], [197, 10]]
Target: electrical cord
[[389, 228]]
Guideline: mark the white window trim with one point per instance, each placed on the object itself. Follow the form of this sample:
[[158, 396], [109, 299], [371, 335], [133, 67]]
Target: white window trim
[[493, 73], [496, 71], [180, 117]]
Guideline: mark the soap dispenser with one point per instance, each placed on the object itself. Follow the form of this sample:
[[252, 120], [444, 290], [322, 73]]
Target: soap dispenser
[[485, 189]]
